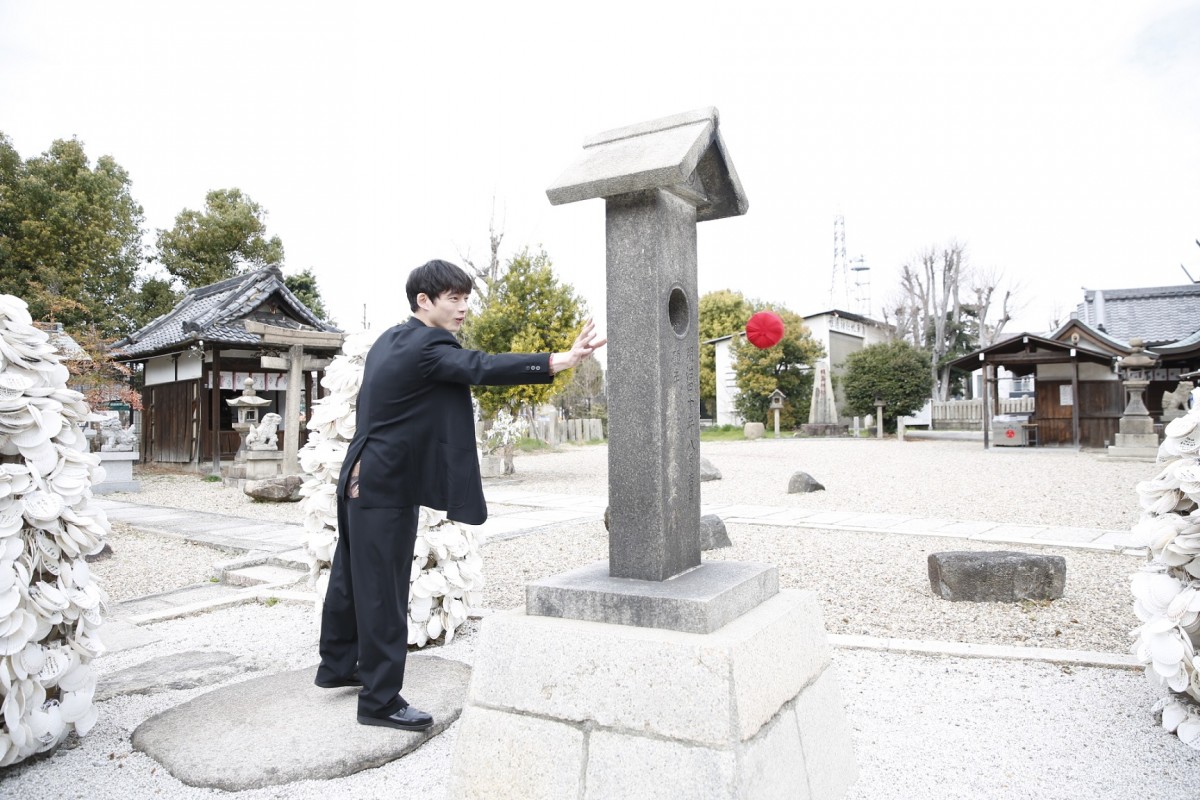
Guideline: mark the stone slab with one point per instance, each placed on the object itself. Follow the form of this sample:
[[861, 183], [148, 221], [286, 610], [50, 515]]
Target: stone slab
[[654, 682], [548, 757], [1000, 576], [169, 673], [118, 635], [826, 738], [698, 601], [281, 728]]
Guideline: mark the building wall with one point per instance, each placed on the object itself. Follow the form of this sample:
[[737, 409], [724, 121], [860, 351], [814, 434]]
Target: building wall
[[726, 413], [185, 366]]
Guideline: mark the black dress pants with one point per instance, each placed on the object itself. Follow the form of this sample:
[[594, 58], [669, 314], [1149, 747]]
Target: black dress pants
[[365, 618]]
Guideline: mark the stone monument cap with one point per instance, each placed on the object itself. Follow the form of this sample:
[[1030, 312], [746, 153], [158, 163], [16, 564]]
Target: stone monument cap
[[683, 154]]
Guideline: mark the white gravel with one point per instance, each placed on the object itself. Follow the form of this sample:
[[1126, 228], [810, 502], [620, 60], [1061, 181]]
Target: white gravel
[[923, 726]]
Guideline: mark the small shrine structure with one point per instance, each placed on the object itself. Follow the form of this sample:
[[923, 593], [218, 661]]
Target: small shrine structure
[[198, 356]]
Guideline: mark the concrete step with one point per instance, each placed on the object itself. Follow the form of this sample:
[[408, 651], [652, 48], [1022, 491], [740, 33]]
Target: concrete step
[[264, 573]]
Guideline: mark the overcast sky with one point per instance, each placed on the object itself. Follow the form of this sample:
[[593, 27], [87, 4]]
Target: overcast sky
[[1060, 141]]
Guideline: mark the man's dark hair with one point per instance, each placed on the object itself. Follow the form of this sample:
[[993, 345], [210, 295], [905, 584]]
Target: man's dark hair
[[435, 278]]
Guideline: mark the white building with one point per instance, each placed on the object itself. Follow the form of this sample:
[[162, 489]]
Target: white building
[[839, 332]]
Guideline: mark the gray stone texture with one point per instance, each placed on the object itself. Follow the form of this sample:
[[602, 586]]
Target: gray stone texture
[[654, 386], [280, 489], [173, 672], [277, 729], [998, 576], [698, 601], [587, 710], [713, 533], [707, 471], [754, 430], [802, 482]]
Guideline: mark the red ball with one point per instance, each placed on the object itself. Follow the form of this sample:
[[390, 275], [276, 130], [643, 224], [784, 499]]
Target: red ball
[[764, 329]]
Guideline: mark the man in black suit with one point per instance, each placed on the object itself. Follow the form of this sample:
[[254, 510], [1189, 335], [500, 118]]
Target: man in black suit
[[414, 446]]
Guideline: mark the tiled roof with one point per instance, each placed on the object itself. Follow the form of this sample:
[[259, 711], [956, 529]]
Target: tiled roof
[[217, 313], [1157, 315]]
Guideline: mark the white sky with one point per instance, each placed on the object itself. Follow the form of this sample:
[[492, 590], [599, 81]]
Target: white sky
[[1059, 140]]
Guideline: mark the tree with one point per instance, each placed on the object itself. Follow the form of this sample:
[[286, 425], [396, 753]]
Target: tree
[[895, 372], [485, 278], [720, 313], [153, 298], [931, 314], [787, 366], [70, 236], [528, 311], [227, 238], [584, 395], [304, 285]]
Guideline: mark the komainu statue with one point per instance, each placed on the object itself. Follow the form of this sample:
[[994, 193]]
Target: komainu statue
[[262, 436], [1175, 403], [115, 437]]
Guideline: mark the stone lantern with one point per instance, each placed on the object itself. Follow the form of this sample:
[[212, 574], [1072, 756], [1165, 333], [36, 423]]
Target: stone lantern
[[1136, 438], [777, 397], [247, 405]]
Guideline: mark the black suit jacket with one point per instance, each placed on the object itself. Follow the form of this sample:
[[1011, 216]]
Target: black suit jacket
[[415, 431]]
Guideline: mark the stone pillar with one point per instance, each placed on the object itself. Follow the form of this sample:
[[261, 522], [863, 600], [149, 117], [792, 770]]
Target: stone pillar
[[291, 431], [655, 674], [654, 386]]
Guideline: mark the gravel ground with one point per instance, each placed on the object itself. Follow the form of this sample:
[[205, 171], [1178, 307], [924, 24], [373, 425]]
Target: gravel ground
[[923, 726]]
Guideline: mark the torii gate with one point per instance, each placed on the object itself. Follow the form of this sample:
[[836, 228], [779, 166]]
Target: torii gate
[[296, 363]]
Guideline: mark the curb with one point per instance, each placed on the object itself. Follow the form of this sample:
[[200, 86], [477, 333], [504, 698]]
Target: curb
[[1050, 655]]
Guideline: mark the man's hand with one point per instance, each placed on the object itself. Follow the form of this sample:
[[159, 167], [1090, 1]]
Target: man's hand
[[585, 344]]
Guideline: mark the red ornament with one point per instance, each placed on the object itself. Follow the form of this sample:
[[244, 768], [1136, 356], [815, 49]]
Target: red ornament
[[764, 329]]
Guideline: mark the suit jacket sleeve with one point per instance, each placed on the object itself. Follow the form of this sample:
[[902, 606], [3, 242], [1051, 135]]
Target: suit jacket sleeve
[[444, 359]]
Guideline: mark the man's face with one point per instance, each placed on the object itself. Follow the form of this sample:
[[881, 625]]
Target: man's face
[[446, 312]]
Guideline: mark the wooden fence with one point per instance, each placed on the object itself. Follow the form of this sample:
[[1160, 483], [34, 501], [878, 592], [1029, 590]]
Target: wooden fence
[[968, 414]]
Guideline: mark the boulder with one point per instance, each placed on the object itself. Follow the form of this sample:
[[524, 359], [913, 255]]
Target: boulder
[[1002, 576], [754, 430], [802, 482], [713, 533], [280, 489], [707, 471]]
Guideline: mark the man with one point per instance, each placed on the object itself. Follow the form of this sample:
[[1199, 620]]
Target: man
[[414, 446]]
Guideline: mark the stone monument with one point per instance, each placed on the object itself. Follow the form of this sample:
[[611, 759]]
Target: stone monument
[[1176, 402], [654, 674], [822, 411], [1136, 439]]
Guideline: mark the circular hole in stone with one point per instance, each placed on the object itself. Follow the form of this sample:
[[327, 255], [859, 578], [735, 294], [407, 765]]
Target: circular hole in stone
[[677, 311]]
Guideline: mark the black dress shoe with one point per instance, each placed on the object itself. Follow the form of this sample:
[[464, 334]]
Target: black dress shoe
[[338, 683], [406, 719]]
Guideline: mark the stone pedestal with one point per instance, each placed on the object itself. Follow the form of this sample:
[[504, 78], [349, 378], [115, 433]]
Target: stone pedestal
[[561, 708], [253, 465], [118, 472], [1136, 438]]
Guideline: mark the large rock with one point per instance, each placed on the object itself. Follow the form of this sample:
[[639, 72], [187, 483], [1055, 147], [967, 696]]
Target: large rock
[[280, 489], [754, 430], [713, 533], [801, 482], [707, 471], [281, 728], [998, 576]]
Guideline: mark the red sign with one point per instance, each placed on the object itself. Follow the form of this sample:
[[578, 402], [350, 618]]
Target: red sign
[[1009, 433]]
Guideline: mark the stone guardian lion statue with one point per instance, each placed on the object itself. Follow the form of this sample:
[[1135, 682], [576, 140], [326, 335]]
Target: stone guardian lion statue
[[263, 436]]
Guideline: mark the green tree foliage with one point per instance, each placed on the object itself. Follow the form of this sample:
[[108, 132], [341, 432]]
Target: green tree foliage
[[787, 366], [153, 298], [896, 372], [304, 285], [227, 238], [528, 311], [70, 236], [721, 313]]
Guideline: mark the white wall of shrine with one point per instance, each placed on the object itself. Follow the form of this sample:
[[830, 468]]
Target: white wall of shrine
[[168, 369]]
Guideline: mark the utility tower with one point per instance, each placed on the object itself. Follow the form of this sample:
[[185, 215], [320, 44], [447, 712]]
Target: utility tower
[[850, 287]]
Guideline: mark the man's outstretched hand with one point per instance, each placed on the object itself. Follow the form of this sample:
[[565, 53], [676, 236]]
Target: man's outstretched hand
[[585, 344]]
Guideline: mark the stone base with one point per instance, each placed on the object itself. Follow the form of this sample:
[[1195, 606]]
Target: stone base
[[824, 429], [561, 708], [700, 600], [1136, 440], [118, 472], [253, 465], [1115, 453]]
